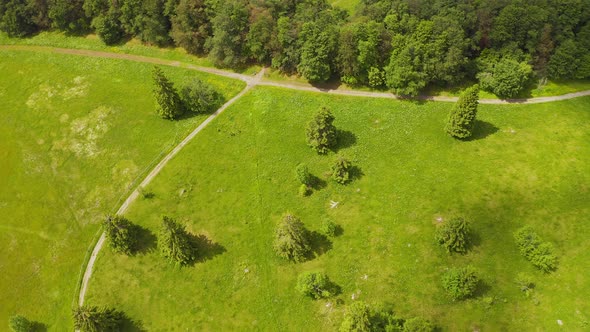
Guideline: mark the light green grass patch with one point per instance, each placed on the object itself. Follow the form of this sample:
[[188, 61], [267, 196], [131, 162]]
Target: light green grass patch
[[76, 134], [527, 165]]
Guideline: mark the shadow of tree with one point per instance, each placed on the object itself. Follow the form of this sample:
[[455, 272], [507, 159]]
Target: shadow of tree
[[146, 241], [206, 249], [320, 244], [318, 183], [481, 289], [344, 139], [482, 129], [355, 173], [130, 325], [38, 327]]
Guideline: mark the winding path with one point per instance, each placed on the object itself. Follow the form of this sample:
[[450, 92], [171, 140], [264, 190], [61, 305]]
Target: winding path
[[250, 81], [286, 85]]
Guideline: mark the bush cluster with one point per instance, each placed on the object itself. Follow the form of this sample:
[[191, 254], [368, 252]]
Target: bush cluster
[[453, 235], [540, 253], [316, 285], [460, 283], [360, 317], [321, 133], [341, 170]]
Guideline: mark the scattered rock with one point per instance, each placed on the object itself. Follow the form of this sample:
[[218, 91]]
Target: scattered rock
[[559, 322]]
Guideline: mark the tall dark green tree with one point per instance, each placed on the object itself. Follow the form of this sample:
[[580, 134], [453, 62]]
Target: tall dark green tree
[[108, 27], [69, 16], [462, 117], [169, 105], [230, 28], [318, 48], [16, 18], [291, 239], [505, 77], [321, 133], [121, 234], [190, 25], [175, 243]]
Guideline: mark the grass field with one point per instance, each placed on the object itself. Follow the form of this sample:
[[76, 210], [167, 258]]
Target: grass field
[[75, 134], [527, 165]]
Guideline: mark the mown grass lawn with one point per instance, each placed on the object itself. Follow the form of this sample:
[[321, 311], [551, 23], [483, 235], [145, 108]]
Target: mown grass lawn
[[75, 134], [527, 165]]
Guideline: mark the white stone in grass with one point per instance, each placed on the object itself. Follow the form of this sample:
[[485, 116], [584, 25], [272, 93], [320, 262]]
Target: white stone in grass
[[365, 277], [559, 322], [333, 204], [246, 270]]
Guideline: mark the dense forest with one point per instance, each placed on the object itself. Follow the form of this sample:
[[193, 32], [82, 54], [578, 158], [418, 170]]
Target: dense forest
[[401, 45]]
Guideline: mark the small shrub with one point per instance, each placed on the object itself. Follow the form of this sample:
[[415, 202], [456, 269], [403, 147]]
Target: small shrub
[[418, 324], [385, 320], [314, 284], [199, 97], [357, 318], [541, 254], [453, 235], [321, 133], [460, 283], [304, 190], [144, 193], [121, 234], [291, 239], [328, 228], [20, 323], [341, 170], [376, 77], [303, 174]]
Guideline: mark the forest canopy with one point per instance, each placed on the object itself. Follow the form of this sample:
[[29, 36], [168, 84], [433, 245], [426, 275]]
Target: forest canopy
[[401, 45]]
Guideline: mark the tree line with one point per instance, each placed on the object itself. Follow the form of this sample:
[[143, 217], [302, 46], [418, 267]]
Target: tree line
[[402, 45]]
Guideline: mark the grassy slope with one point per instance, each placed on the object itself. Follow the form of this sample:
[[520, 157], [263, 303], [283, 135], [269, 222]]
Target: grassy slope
[[75, 133], [529, 164]]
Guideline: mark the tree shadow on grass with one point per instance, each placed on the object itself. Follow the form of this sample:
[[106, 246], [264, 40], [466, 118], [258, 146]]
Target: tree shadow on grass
[[320, 244], [344, 139], [355, 173], [318, 183], [482, 129], [146, 241], [130, 325], [38, 327], [206, 249], [481, 289]]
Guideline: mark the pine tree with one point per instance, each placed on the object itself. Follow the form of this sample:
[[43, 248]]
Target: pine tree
[[321, 133], [341, 170], [175, 242], [291, 239], [121, 234], [169, 105], [462, 117], [94, 319]]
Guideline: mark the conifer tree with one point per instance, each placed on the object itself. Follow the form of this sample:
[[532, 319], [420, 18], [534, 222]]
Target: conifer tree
[[321, 133], [121, 234], [462, 117], [94, 319], [175, 243], [291, 239], [169, 104]]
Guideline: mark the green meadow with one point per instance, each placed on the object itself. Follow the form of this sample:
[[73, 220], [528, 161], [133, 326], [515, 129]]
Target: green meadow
[[526, 165], [76, 134]]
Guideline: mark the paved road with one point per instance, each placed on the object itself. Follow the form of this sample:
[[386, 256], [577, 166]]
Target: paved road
[[251, 82], [293, 86]]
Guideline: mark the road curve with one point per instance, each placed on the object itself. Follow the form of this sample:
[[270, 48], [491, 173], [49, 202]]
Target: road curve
[[300, 87], [251, 82]]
